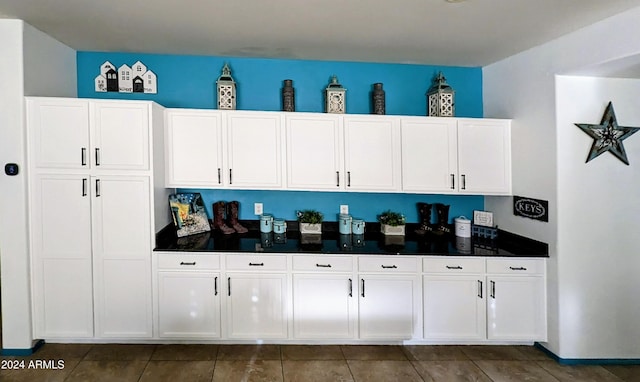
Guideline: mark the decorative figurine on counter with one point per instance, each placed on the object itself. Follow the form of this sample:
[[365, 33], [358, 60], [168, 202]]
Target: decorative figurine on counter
[[226, 89], [442, 224], [335, 97], [440, 98], [231, 210]]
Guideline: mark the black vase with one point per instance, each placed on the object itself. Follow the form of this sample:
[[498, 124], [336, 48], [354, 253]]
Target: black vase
[[377, 99], [288, 96]]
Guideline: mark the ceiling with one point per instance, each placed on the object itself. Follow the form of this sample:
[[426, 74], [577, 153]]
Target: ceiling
[[436, 32]]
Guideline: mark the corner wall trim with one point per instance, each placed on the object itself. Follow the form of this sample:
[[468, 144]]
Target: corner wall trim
[[588, 361], [22, 352]]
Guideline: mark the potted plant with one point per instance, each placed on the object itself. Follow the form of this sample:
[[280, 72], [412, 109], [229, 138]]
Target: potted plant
[[310, 221], [392, 223]]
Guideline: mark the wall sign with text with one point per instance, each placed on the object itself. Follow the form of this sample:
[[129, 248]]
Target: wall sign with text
[[531, 208]]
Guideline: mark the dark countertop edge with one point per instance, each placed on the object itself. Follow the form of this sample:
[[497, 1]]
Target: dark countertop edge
[[508, 244]]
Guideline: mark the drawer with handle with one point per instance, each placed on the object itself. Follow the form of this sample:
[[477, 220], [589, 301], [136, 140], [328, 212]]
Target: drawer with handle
[[256, 262], [388, 264], [516, 266], [182, 261], [446, 264], [323, 263]]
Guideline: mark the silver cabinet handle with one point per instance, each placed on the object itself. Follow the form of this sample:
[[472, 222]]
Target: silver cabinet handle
[[83, 152], [97, 156]]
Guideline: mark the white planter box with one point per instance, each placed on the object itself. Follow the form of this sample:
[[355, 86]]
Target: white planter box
[[389, 230], [311, 228]]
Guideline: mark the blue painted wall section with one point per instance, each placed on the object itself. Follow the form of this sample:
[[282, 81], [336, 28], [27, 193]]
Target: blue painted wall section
[[189, 82]]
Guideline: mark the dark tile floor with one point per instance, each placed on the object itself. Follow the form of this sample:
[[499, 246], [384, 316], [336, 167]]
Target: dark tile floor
[[308, 363]]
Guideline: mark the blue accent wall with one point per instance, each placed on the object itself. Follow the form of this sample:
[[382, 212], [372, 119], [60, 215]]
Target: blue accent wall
[[189, 82]]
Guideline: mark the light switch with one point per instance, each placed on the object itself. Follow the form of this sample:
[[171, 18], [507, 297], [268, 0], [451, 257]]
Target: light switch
[[344, 209], [257, 208]]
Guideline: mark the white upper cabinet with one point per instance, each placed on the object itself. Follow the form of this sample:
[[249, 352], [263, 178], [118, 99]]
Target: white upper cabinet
[[429, 154], [451, 155], [314, 152], [78, 134], [484, 156], [59, 131], [120, 135], [194, 148], [254, 150], [372, 153]]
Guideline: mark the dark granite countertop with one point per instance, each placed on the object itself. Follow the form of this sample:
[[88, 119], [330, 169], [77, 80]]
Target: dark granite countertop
[[331, 242]]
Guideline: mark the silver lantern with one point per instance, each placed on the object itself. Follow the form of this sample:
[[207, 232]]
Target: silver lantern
[[226, 88], [440, 98], [335, 97]]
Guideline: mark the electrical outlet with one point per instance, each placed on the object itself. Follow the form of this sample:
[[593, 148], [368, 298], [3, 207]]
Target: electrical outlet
[[344, 209], [257, 208]]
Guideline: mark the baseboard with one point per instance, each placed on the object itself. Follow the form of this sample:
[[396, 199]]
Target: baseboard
[[588, 361], [22, 352]]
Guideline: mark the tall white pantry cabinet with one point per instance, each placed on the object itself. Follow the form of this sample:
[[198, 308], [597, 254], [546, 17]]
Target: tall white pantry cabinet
[[93, 179]]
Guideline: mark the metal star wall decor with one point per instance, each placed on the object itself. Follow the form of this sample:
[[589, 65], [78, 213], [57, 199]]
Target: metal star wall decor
[[608, 136]]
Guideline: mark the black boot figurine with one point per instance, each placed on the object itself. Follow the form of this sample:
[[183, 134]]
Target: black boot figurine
[[424, 213], [442, 212]]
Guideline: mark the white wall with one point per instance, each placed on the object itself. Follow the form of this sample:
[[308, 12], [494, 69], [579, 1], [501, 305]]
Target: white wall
[[523, 87], [597, 222], [21, 67]]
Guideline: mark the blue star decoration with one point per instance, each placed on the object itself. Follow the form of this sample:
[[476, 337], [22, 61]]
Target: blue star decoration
[[608, 136]]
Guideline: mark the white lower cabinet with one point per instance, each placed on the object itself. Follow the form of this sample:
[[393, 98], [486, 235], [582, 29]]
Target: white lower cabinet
[[256, 305], [516, 307], [324, 298], [389, 299], [189, 304]]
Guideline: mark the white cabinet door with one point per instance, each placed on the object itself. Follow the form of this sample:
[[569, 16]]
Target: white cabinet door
[[256, 305], [454, 307], [314, 152], [61, 249], [429, 155], [122, 256], [58, 132], [484, 156], [120, 135], [194, 148], [516, 308], [189, 304], [388, 307], [323, 306], [254, 150], [372, 153]]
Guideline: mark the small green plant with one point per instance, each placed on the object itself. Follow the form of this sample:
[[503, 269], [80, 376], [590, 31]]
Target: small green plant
[[310, 216], [391, 218]]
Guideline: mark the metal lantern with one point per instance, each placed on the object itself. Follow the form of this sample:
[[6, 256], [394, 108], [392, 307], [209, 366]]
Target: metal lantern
[[440, 98], [226, 87], [335, 97]]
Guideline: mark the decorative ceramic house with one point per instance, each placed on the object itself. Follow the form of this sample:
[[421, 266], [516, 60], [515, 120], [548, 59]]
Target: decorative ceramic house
[[335, 97], [440, 98], [226, 89]]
